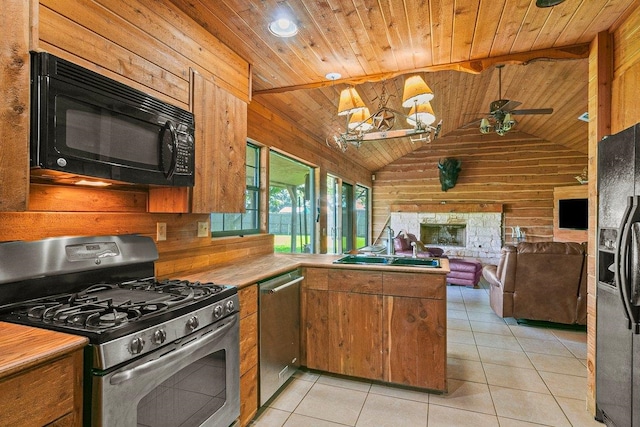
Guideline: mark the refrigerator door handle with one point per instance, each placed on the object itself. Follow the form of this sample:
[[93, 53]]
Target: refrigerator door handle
[[634, 288], [625, 265]]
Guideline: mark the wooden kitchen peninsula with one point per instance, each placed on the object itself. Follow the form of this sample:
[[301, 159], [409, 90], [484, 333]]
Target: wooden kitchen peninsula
[[384, 323], [379, 324]]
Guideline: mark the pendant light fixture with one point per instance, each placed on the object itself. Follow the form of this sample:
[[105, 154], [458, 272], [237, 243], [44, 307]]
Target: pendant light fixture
[[362, 126]]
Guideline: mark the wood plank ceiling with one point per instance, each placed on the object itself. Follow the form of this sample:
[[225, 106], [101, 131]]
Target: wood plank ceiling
[[454, 44]]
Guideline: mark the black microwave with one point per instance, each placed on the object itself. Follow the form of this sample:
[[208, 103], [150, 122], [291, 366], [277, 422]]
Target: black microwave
[[83, 123]]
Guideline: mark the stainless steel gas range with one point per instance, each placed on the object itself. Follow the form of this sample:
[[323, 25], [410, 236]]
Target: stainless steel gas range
[[160, 353]]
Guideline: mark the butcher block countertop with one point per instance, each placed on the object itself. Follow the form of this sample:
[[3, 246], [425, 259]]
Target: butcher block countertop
[[250, 270], [22, 347]]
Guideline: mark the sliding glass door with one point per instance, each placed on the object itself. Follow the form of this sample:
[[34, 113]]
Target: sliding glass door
[[348, 210], [334, 241], [341, 216], [362, 216]]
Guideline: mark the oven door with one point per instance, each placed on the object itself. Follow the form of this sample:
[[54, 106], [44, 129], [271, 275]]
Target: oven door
[[194, 381]]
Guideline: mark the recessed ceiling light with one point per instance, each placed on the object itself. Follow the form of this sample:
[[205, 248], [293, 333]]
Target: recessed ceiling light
[[283, 27], [333, 76]]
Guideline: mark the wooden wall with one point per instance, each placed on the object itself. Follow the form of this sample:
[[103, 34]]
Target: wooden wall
[[276, 132], [133, 42], [269, 129], [149, 45], [516, 170]]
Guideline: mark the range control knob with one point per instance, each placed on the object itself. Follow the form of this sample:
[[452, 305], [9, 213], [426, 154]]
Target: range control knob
[[193, 323], [159, 336], [230, 306], [136, 345], [217, 311]]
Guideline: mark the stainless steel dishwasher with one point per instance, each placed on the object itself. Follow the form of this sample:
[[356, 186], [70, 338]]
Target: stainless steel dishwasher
[[279, 331]]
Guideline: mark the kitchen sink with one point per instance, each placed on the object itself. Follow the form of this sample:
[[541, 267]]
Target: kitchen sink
[[363, 259], [417, 262], [389, 260]]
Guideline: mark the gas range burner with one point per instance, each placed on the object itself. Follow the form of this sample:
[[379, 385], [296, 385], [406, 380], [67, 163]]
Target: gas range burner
[[104, 306], [181, 289]]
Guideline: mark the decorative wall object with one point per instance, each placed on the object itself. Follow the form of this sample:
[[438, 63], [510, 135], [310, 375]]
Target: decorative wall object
[[449, 170]]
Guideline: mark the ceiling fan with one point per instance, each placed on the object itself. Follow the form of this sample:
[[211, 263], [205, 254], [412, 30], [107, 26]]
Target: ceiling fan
[[499, 117]]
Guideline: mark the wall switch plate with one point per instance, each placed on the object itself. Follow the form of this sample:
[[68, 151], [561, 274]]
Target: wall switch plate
[[203, 229], [161, 231]]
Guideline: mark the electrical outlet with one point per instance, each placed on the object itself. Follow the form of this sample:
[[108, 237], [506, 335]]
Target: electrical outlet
[[203, 229], [161, 231]]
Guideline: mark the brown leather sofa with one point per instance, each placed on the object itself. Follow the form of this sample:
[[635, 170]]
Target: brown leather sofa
[[540, 281]]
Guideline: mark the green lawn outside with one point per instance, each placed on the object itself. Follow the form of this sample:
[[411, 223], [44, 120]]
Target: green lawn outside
[[282, 243]]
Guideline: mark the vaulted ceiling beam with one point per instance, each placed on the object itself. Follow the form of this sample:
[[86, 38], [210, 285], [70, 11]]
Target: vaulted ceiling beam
[[475, 66]]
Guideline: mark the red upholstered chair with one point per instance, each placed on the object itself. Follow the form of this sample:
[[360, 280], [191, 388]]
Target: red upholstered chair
[[402, 245]]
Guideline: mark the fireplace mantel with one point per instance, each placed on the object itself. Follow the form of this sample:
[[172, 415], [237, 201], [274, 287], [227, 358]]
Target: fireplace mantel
[[447, 207]]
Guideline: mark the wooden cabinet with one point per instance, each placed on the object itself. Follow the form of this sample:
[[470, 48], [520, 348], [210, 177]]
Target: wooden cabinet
[[343, 322], [415, 328], [387, 326], [221, 139], [220, 155], [40, 377], [248, 353]]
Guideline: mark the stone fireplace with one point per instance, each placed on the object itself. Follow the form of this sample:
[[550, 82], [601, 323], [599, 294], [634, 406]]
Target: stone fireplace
[[462, 230]]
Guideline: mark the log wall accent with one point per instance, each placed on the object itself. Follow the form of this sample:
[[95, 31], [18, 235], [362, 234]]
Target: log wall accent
[[516, 170]]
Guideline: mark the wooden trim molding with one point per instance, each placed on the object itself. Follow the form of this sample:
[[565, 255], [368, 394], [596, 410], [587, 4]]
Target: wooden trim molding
[[448, 207]]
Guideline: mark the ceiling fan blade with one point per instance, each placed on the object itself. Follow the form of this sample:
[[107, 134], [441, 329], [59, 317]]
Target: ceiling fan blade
[[533, 111], [509, 106], [472, 123]]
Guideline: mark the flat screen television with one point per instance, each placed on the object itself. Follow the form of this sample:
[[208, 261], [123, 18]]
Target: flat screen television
[[573, 214]]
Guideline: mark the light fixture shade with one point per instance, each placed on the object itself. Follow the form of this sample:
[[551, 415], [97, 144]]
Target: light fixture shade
[[361, 120], [350, 102], [424, 114], [416, 91], [508, 122], [485, 126]]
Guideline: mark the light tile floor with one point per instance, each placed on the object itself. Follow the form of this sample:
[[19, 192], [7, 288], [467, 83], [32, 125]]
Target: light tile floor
[[499, 374]]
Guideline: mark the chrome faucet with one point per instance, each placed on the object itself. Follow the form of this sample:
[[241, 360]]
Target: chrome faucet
[[414, 246], [390, 248]]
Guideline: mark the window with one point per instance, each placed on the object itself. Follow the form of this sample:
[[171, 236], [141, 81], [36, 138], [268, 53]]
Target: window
[[291, 204], [229, 224]]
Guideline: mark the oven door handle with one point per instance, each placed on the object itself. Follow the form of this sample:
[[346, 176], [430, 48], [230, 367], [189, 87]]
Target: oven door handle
[[167, 358]]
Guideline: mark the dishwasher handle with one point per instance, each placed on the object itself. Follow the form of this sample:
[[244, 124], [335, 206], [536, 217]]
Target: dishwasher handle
[[284, 286], [280, 283]]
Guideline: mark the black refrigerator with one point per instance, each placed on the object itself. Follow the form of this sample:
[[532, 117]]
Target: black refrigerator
[[618, 280]]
